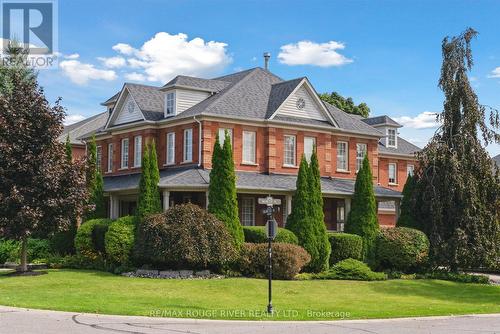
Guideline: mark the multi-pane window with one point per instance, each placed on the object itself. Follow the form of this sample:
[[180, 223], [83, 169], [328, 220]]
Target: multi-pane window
[[170, 148], [222, 136], [249, 147], [391, 137], [110, 157], [309, 145], [99, 157], [248, 211], [170, 103], [124, 153], [392, 173], [360, 155], [410, 169], [342, 156], [137, 151], [188, 145], [289, 150]]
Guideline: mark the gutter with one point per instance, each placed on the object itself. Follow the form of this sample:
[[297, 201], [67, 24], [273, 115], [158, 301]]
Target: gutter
[[199, 139]]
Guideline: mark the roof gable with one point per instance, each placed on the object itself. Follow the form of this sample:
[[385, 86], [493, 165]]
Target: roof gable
[[126, 109]]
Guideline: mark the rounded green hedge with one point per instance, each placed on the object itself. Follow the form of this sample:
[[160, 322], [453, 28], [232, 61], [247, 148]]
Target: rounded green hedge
[[345, 246], [119, 240], [89, 239], [257, 234], [402, 249], [351, 269]]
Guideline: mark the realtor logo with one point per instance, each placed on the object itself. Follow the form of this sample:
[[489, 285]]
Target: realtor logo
[[32, 24]]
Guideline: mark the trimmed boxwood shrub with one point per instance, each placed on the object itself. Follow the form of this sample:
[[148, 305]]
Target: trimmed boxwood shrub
[[185, 236], [345, 246], [63, 242], [88, 243], [288, 260], [119, 240], [257, 234], [401, 248], [351, 269]]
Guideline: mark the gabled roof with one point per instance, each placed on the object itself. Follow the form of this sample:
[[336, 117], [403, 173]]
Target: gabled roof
[[404, 148], [279, 92], [351, 122], [381, 120], [111, 100], [79, 129], [209, 85]]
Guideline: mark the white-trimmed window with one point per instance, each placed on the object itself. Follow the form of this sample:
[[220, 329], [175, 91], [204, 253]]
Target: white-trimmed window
[[249, 147], [98, 157], [410, 169], [170, 148], [290, 152], [188, 145], [124, 153], [360, 155], [391, 138], [248, 211], [170, 103], [342, 156], [392, 173], [222, 136], [110, 157], [309, 145], [137, 151]]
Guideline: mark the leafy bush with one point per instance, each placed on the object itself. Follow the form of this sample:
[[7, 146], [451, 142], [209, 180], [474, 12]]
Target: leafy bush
[[185, 236], [401, 248], [77, 261], [345, 246], [9, 250], [63, 242], [351, 269], [88, 243], [456, 277], [38, 249], [257, 234], [288, 260], [119, 240]]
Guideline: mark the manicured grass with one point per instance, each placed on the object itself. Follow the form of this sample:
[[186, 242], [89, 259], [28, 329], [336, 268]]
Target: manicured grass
[[241, 298]]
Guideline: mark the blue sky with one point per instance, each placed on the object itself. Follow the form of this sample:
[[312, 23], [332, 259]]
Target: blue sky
[[385, 53]]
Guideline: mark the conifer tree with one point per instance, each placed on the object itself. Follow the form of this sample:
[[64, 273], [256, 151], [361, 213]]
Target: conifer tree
[[407, 214], [68, 150], [144, 202], [95, 184], [362, 219], [155, 179]]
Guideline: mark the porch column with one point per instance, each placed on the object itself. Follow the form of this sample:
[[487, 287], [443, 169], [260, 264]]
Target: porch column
[[114, 206], [347, 209], [288, 199], [206, 200], [397, 204], [166, 200]]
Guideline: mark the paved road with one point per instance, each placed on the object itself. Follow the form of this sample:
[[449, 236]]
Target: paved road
[[16, 321]]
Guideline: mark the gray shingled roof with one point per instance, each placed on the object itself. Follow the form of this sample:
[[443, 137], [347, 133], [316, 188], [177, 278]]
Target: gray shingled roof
[[404, 147], [381, 120], [279, 92], [497, 160], [149, 99], [112, 99], [199, 83], [79, 129], [200, 178], [351, 122]]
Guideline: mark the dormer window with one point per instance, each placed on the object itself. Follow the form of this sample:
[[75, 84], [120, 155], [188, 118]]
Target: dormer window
[[391, 138], [170, 104]]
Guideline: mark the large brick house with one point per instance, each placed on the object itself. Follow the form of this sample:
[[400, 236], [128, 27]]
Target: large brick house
[[272, 123]]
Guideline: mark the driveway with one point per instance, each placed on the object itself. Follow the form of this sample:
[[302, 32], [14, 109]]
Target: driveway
[[17, 320]]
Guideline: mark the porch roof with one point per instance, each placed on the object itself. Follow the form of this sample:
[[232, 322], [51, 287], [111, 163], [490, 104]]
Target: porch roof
[[198, 179]]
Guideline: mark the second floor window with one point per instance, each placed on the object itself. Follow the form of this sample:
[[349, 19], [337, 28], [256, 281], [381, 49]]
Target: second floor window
[[98, 157], [342, 156], [410, 169], [309, 145], [170, 103], [124, 153], [360, 155], [110, 157], [392, 173], [188, 145], [249, 147], [170, 148], [137, 151], [289, 150], [391, 137], [222, 136]]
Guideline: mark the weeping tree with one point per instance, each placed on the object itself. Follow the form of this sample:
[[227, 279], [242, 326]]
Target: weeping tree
[[457, 192]]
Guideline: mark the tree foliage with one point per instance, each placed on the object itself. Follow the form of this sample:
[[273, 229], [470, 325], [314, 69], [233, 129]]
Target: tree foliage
[[68, 149], [407, 214], [362, 219], [149, 195], [95, 184], [222, 200], [346, 104], [458, 194]]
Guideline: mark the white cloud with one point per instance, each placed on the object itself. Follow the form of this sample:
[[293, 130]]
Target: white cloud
[[165, 55], [425, 120], [311, 53], [113, 62], [81, 73], [70, 119], [134, 76], [495, 73], [72, 56]]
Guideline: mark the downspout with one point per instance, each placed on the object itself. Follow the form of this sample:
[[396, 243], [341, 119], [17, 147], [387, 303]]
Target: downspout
[[199, 140]]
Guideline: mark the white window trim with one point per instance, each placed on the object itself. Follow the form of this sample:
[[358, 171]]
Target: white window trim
[[395, 173], [174, 106], [395, 138], [359, 158], [408, 169], [222, 138], [314, 145], [123, 155], [110, 157], [167, 162], [137, 153], [253, 149], [185, 146], [346, 156], [294, 151], [253, 210]]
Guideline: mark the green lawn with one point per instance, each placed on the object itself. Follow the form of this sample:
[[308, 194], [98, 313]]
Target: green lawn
[[241, 298]]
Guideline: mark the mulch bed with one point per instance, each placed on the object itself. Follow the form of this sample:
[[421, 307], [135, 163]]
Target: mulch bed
[[26, 273]]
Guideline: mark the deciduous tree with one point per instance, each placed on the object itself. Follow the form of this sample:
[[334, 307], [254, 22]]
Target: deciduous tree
[[346, 104]]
